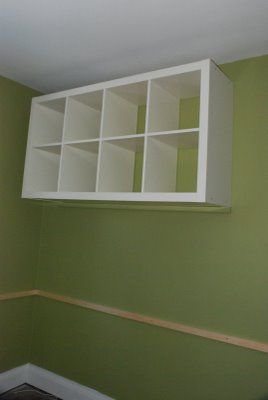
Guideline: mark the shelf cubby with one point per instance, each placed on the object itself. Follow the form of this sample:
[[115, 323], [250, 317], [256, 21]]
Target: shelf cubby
[[79, 167], [123, 107], [171, 162], [173, 99], [44, 168], [47, 122], [121, 164], [83, 116]]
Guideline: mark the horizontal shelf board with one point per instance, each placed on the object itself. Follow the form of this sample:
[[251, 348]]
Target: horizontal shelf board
[[70, 142], [134, 205], [188, 130], [40, 146], [122, 137], [133, 143], [49, 148], [88, 146], [127, 137], [119, 196], [178, 139]]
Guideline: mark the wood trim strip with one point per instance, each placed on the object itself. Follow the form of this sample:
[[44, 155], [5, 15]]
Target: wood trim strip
[[174, 326], [18, 295]]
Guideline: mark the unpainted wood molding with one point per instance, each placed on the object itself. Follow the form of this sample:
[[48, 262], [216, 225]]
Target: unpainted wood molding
[[18, 295], [174, 326]]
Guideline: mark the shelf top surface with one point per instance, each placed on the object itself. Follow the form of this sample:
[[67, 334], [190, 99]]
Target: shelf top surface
[[195, 66]]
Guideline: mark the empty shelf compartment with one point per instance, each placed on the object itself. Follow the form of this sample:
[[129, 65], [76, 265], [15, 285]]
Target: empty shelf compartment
[[171, 162], [43, 168], [83, 116], [79, 167], [174, 102], [121, 165], [124, 110], [47, 121]]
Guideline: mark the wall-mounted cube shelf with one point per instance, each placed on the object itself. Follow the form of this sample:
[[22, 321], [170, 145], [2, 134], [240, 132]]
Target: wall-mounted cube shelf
[[162, 136]]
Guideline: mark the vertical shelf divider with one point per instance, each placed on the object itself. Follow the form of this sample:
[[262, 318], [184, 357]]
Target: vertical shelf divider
[[100, 140], [62, 141], [146, 136]]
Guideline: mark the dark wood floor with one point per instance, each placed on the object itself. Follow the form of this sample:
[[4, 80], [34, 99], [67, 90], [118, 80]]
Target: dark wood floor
[[27, 392]]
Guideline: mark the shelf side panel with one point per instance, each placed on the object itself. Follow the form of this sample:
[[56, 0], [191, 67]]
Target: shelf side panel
[[220, 126]]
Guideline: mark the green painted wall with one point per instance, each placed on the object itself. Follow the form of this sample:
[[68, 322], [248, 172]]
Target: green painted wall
[[132, 361], [206, 270], [15, 332], [19, 225]]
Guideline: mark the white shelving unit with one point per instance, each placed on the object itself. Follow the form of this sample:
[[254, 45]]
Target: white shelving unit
[[163, 136]]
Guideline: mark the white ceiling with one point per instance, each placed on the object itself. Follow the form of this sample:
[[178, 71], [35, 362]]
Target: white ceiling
[[59, 44]]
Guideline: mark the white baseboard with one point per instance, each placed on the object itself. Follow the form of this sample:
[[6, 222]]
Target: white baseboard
[[49, 382], [12, 378]]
